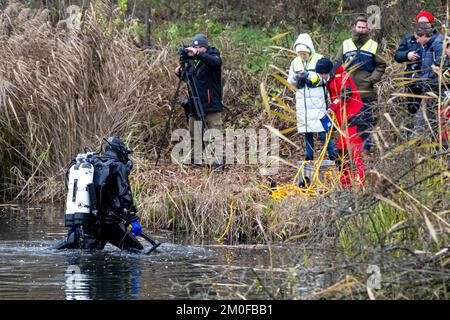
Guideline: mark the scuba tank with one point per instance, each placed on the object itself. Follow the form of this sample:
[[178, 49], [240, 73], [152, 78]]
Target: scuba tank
[[80, 201], [90, 206]]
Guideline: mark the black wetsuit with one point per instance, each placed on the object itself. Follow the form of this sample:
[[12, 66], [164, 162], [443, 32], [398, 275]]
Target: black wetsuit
[[114, 209]]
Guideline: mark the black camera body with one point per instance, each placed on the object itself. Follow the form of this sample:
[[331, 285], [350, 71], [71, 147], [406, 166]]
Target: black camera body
[[183, 53], [417, 65]]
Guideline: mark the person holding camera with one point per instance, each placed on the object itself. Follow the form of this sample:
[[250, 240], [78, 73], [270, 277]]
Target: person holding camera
[[205, 65], [410, 52], [432, 47], [311, 96]]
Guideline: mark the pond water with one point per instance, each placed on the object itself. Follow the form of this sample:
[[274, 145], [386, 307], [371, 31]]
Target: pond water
[[182, 269]]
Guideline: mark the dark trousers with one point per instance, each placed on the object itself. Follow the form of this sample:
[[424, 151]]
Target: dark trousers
[[213, 121], [309, 141], [369, 122], [412, 105]]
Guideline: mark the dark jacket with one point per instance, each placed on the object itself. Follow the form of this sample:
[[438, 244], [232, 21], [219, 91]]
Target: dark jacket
[[364, 80], [113, 186], [431, 55], [408, 44], [208, 78]]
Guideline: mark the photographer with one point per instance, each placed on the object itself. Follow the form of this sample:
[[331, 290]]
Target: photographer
[[432, 47], [410, 52], [205, 65]]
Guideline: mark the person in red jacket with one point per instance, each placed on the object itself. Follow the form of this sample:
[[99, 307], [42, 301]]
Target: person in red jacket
[[347, 106]]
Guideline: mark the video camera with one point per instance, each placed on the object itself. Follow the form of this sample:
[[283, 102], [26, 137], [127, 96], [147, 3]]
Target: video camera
[[183, 53]]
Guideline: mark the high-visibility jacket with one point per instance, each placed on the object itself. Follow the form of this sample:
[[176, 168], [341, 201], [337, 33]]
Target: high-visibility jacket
[[310, 101], [299, 65], [364, 56]]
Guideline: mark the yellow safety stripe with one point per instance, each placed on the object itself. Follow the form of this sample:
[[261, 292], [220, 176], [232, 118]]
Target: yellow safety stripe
[[298, 64], [446, 74], [370, 46]]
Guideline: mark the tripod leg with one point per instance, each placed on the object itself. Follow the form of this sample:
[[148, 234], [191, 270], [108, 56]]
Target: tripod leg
[[200, 114], [166, 129]]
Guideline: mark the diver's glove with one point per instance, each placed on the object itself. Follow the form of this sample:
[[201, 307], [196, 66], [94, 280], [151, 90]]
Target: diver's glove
[[136, 228]]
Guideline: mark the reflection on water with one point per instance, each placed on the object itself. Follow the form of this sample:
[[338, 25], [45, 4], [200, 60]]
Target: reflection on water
[[92, 279], [29, 269]]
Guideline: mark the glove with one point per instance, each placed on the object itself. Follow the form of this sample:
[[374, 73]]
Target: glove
[[301, 79], [313, 80], [130, 165], [185, 103], [326, 122], [136, 228]]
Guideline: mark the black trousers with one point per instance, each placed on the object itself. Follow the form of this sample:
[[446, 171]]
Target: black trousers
[[412, 103]]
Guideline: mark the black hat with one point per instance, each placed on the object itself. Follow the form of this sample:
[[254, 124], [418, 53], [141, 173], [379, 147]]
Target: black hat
[[324, 65], [200, 40]]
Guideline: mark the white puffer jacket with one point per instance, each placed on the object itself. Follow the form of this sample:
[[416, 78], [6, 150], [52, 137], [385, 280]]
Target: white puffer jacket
[[310, 102]]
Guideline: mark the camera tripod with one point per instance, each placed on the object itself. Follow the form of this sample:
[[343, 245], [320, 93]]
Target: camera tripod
[[188, 75]]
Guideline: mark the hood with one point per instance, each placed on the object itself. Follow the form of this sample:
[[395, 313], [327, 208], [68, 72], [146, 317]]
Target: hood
[[305, 39], [111, 154]]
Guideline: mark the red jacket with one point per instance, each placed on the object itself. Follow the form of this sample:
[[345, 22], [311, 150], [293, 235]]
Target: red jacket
[[345, 99]]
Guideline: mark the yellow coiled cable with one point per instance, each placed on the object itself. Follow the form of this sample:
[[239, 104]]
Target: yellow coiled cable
[[316, 186]]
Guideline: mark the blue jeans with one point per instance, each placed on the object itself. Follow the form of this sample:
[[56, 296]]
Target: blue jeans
[[309, 140]]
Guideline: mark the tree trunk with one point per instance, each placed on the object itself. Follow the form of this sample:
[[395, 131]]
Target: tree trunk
[[147, 32]]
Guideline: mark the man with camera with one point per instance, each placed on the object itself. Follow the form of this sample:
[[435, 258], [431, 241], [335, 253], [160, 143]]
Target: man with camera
[[410, 52], [432, 47], [201, 69]]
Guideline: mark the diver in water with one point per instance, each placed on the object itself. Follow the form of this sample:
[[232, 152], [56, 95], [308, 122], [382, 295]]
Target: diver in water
[[100, 206]]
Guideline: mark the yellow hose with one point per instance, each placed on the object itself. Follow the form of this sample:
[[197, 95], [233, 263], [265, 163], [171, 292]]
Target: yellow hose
[[316, 186], [230, 217]]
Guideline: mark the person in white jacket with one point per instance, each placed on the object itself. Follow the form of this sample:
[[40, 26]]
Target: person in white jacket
[[311, 97]]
